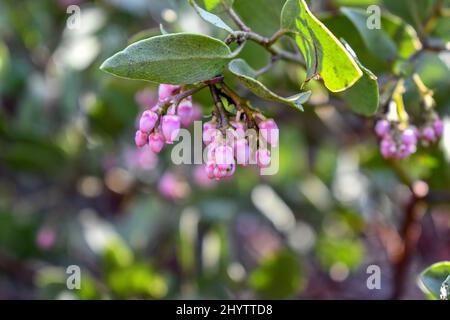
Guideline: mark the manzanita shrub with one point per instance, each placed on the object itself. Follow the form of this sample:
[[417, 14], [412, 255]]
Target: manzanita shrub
[[185, 63]]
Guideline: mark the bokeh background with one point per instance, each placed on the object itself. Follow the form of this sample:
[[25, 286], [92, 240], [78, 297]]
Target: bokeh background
[[75, 191]]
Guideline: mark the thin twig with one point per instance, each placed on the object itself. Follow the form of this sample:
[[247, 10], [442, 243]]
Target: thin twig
[[235, 17], [276, 36], [291, 57], [218, 106], [240, 103], [268, 66], [175, 100], [436, 12], [268, 45]]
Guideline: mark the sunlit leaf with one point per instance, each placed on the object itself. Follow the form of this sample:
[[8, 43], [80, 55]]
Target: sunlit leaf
[[434, 277], [363, 96], [375, 39], [324, 54]]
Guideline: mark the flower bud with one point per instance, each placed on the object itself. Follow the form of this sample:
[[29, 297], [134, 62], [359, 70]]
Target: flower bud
[[209, 132], [145, 98], [211, 152], [405, 151], [409, 136], [140, 139], [269, 131], [209, 169], [438, 127], [242, 151], [239, 129], [218, 174], [185, 112], [224, 156], [263, 158], [156, 142], [387, 147], [166, 90], [170, 126], [148, 121], [428, 134], [196, 113], [382, 128]]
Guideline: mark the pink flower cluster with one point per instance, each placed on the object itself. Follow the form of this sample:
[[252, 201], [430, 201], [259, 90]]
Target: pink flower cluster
[[224, 153], [156, 128], [432, 131], [227, 141], [399, 143]]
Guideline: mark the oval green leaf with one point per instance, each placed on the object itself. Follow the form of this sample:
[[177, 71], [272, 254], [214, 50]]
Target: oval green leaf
[[323, 53], [404, 36], [363, 96], [262, 16], [247, 76], [177, 58], [433, 278], [376, 40]]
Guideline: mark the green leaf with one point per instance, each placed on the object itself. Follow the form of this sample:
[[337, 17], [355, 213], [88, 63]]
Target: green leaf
[[343, 28], [404, 36], [432, 278], [144, 34], [210, 17], [378, 43], [262, 16], [178, 58], [323, 52], [363, 96], [395, 39], [413, 12], [247, 76]]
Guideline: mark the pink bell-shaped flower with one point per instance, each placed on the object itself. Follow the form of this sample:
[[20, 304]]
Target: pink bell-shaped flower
[[269, 131], [156, 142], [166, 90], [185, 111], [170, 126], [140, 139], [148, 121], [263, 158]]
